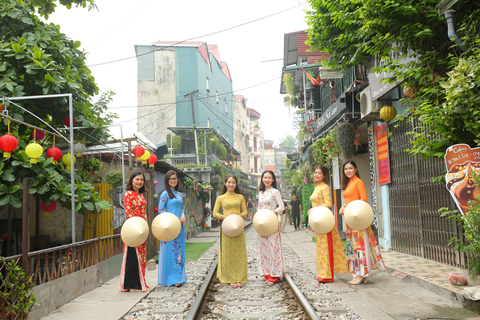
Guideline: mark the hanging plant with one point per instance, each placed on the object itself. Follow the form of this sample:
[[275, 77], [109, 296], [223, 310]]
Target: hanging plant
[[293, 91], [346, 138]]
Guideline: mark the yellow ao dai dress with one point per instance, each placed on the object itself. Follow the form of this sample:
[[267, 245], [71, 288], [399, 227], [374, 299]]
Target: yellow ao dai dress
[[232, 252], [330, 254]]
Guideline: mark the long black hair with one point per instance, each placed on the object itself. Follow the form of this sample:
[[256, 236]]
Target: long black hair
[[261, 187], [345, 179], [133, 175], [167, 185], [237, 188]]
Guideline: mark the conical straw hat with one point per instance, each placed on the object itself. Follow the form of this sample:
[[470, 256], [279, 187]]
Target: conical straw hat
[[321, 220], [233, 225], [134, 231], [265, 222], [358, 215], [166, 226]]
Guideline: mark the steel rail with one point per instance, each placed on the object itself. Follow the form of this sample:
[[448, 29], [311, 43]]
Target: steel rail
[[301, 298], [193, 312]]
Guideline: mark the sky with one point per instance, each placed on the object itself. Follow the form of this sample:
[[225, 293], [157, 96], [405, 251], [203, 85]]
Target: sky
[[249, 34]]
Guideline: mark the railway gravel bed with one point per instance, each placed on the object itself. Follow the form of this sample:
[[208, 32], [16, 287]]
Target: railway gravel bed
[[254, 301]]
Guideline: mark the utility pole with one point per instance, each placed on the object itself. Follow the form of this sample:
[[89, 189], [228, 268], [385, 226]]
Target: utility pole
[[194, 125]]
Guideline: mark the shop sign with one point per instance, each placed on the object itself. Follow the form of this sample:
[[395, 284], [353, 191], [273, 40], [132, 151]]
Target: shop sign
[[382, 152], [461, 161], [377, 87]]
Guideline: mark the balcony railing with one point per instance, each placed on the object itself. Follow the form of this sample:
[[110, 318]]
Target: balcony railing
[[191, 159], [53, 263]]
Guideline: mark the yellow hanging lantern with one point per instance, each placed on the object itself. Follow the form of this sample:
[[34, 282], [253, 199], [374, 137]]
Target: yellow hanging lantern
[[145, 157], [34, 150], [66, 160], [387, 113]]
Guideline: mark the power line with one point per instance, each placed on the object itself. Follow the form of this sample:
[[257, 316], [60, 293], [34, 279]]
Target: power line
[[205, 35]]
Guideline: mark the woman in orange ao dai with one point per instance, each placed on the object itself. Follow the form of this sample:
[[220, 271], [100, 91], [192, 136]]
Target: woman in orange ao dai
[[362, 249], [330, 254]]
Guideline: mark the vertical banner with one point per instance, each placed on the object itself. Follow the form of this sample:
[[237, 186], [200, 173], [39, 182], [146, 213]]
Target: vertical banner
[[461, 161], [336, 174], [382, 152]]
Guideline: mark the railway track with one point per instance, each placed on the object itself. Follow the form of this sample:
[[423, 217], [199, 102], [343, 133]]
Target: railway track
[[204, 297]]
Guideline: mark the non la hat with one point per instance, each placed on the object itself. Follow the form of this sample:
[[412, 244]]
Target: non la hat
[[166, 226], [233, 225], [265, 222], [321, 220], [134, 231], [358, 215]]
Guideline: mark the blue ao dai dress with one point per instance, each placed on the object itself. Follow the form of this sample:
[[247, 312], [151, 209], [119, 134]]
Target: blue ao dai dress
[[171, 255], [271, 252], [232, 252]]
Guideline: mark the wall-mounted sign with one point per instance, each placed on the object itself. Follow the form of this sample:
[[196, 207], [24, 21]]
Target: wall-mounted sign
[[377, 87], [336, 174], [382, 152], [461, 161]]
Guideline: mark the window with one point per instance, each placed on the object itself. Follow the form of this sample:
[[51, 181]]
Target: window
[[226, 107], [207, 84], [208, 122], [216, 96], [218, 130]]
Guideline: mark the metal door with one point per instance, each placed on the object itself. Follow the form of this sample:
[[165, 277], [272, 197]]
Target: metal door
[[416, 225]]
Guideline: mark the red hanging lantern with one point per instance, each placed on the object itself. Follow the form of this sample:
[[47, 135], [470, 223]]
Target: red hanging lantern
[[66, 121], [8, 144], [54, 153], [38, 134], [47, 208], [153, 158], [155, 209], [138, 151]]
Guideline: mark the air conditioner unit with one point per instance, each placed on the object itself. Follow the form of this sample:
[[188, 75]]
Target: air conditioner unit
[[369, 109]]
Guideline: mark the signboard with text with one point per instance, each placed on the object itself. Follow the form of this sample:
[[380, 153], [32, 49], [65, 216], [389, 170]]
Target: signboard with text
[[382, 152], [461, 161]]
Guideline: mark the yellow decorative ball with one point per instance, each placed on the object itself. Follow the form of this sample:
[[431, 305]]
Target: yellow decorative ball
[[387, 113], [34, 150], [66, 159]]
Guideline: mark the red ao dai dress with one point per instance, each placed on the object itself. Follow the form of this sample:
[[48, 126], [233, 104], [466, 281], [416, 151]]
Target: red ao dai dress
[[132, 274], [271, 253], [330, 256]]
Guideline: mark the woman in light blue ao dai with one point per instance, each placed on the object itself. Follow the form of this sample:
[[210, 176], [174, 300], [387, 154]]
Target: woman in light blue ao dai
[[171, 255]]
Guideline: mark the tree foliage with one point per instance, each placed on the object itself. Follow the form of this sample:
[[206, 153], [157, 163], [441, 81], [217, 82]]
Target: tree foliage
[[352, 31], [37, 59]]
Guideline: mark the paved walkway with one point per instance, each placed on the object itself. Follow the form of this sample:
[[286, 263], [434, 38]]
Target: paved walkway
[[400, 293]]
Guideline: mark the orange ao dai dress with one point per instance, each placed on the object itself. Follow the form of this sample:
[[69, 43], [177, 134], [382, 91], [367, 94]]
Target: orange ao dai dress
[[363, 253]]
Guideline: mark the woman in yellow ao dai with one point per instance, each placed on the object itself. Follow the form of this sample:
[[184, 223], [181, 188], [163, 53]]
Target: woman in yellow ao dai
[[330, 254], [232, 252]]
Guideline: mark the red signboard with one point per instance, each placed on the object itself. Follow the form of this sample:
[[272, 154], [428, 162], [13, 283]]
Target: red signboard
[[461, 161], [382, 152]]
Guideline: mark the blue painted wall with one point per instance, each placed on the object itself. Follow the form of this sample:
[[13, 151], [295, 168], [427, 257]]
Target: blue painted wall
[[192, 72]]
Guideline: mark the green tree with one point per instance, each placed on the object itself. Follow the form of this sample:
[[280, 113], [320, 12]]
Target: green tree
[[37, 59], [352, 31], [288, 143]]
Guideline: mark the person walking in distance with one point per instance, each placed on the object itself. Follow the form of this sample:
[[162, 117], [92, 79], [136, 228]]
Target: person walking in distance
[[250, 209], [363, 254], [296, 211]]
